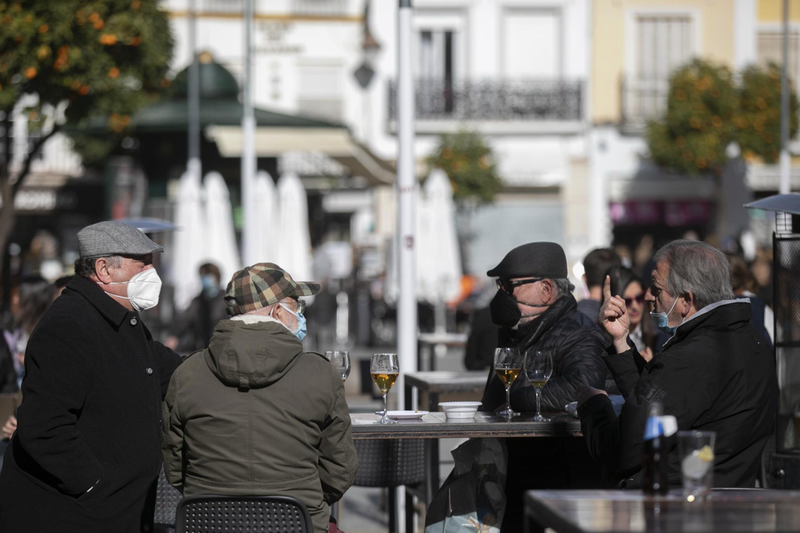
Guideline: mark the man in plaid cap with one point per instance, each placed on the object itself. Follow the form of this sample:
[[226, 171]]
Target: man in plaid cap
[[255, 414]]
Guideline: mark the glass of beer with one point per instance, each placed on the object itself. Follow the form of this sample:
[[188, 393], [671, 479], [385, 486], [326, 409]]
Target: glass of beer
[[340, 359], [538, 369], [384, 371], [507, 366]]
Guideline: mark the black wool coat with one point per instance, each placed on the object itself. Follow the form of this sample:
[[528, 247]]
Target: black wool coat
[[90, 417], [577, 345], [716, 373]]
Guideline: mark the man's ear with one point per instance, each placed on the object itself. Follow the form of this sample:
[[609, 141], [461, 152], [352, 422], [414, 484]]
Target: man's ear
[[101, 270], [547, 285], [688, 303]]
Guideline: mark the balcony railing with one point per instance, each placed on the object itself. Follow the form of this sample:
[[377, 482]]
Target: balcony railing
[[320, 8], [643, 100], [495, 100]]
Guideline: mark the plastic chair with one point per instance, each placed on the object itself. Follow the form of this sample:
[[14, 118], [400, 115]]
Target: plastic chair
[[167, 498], [242, 514], [390, 464]]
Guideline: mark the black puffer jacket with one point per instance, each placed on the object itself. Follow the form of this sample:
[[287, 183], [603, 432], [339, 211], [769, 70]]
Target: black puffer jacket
[[577, 345]]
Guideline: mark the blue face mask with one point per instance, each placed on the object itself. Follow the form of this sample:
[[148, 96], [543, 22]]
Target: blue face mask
[[662, 320], [301, 331], [210, 286]]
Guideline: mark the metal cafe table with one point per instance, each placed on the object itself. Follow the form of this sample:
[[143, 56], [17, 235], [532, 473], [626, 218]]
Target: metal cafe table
[[436, 426], [606, 511]]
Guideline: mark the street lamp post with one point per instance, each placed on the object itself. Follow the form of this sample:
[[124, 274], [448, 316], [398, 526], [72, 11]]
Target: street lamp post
[[406, 192], [193, 165], [248, 143]]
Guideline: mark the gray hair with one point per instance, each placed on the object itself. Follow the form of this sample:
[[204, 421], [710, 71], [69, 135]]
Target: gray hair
[[84, 266], [698, 268], [563, 286]]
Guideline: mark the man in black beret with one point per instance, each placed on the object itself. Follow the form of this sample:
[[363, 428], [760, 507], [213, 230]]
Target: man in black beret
[[535, 310]]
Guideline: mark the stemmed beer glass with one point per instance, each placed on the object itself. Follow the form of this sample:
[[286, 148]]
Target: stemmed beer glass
[[384, 370], [340, 359], [538, 369], [507, 365]]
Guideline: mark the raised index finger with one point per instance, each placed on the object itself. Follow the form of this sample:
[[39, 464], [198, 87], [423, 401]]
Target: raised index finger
[[607, 288]]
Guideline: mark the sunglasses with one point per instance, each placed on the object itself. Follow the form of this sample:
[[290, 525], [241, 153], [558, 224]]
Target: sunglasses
[[508, 285], [639, 299]]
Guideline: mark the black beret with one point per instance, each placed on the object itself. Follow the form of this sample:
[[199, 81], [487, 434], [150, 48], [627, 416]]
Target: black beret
[[532, 260]]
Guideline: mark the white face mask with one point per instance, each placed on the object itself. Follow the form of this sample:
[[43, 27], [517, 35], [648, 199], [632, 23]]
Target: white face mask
[[143, 289]]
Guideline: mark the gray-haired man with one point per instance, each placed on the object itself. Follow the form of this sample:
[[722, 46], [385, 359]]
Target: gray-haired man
[[86, 453], [715, 372]]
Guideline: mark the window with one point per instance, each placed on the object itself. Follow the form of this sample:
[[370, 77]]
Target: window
[[222, 6], [663, 43], [321, 91], [532, 44], [439, 46], [770, 50]]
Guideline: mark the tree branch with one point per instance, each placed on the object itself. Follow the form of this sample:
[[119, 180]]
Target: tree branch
[[29, 159]]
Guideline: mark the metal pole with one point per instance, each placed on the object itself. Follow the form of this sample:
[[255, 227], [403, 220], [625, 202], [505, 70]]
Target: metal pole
[[248, 145], [406, 193], [785, 159], [193, 164]]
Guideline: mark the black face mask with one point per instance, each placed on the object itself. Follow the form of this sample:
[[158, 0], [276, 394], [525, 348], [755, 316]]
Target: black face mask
[[504, 309]]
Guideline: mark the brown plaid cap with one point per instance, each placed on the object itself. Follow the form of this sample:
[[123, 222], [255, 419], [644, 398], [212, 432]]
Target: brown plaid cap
[[262, 285]]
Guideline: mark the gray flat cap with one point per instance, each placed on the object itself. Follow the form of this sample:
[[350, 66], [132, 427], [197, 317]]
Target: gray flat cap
[[114, 238]]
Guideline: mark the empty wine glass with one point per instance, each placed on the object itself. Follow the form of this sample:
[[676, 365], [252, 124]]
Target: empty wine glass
[[538, 369], [384, 370], [507, 365], [340, 359]]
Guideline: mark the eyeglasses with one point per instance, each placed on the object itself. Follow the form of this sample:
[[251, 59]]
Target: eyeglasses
[[639, 299], [301, 306], [509, 285]]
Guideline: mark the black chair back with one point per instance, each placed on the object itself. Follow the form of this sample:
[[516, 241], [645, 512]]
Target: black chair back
[[167, 498], [242, 514], [390, 462]]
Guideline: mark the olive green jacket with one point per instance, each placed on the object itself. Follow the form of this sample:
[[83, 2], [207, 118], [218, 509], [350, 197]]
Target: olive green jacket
[[255, 414]]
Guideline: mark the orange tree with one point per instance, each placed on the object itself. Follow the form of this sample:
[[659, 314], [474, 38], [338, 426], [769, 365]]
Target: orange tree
[[758, 124], [707, 111], [76, 60], [469, 164]]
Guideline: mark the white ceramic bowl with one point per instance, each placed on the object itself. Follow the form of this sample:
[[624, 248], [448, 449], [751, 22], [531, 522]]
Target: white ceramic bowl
[[458, 410]]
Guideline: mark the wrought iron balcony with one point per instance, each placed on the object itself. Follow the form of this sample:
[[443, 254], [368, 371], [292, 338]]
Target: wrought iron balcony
[[643, 100], [320, 8], [495, 100]]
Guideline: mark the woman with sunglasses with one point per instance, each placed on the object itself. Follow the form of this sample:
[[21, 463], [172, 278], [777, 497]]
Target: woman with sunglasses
[[645, 336]]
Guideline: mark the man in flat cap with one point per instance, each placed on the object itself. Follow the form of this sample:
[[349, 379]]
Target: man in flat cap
[[254, 413], [86, 453], [535, 310]]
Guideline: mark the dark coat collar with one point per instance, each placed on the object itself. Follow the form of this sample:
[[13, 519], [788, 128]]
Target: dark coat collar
[[105, 304], [720, 315], [529, 333]]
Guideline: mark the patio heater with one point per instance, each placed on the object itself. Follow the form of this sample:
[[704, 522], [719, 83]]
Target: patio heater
[[781, 460]]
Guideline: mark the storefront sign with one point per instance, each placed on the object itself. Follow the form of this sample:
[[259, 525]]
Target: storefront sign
[[672, 214]]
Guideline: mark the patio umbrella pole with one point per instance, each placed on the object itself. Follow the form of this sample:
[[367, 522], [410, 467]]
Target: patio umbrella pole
[[193, 165], [406, 190], [248, 146]]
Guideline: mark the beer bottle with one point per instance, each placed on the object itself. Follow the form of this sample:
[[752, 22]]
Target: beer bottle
[[654, 479]]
